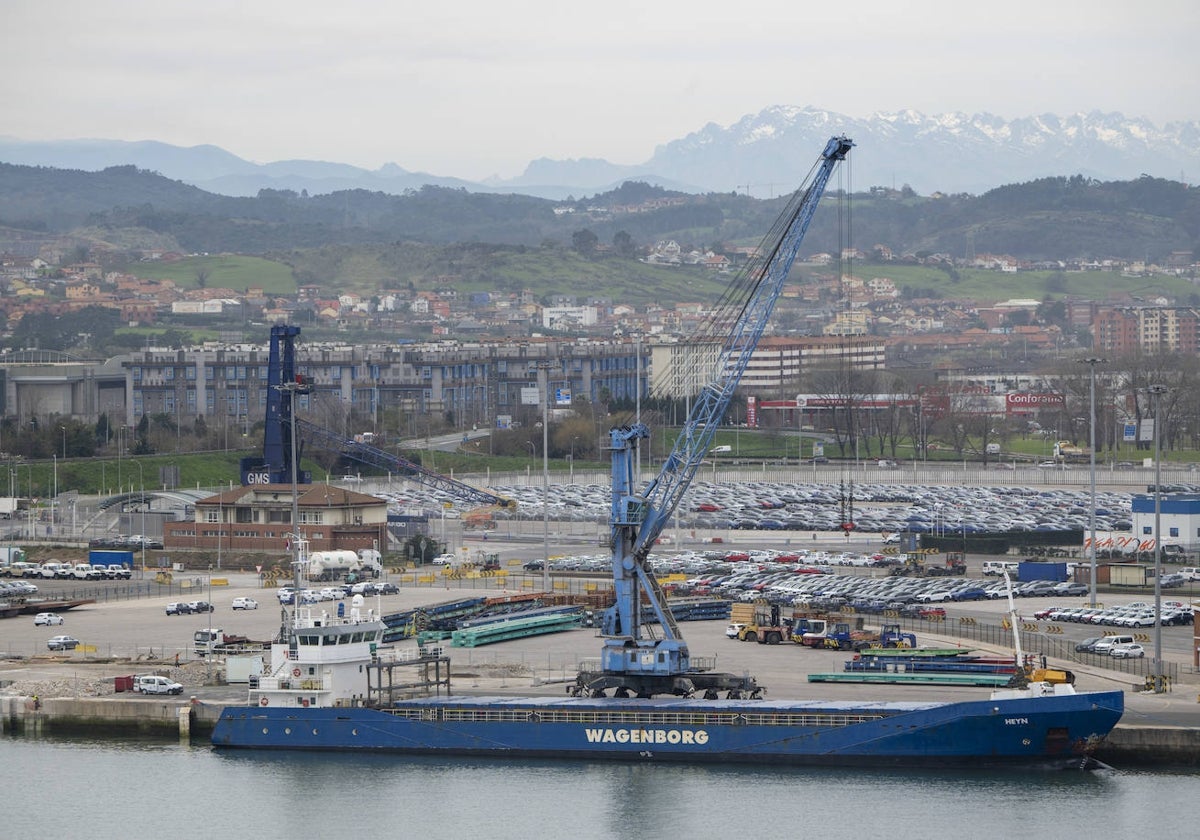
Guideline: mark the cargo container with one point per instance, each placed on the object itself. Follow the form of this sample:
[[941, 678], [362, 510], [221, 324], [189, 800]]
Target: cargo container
[[110, 557], [1036, 570]]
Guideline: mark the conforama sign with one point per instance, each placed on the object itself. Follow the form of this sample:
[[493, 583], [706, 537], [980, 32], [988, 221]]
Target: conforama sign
[[1024, 403]]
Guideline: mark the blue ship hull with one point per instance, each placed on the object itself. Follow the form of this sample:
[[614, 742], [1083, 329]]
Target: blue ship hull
[[1055, 730]]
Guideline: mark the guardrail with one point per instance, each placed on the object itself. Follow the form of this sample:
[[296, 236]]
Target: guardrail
[[1035, 641]]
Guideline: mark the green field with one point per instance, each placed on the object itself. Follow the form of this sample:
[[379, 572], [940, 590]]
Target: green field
[[223, 271]]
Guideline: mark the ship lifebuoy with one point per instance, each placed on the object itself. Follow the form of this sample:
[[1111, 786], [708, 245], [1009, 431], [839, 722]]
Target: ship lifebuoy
[[264, 701], [304, 702], [295, 672]]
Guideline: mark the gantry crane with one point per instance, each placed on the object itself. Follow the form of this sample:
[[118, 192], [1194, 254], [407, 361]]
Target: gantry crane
[[633, 661], [275, 464]]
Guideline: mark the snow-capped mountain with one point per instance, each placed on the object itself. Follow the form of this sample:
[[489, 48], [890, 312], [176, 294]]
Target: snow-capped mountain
[[764, 154], [948, 152]]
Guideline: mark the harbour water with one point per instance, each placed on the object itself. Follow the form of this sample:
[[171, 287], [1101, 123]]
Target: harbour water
[[117, 789]]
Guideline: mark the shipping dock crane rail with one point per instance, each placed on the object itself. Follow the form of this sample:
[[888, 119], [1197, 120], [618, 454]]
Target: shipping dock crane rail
[[274, 466], [633, 661]]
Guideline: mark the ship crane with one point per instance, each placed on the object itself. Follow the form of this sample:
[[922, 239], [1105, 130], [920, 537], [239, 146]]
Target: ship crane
[[633, 661]]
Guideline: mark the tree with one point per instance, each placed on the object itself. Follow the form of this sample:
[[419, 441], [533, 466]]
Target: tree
[[584, 242], [624, 245], [141, 445]]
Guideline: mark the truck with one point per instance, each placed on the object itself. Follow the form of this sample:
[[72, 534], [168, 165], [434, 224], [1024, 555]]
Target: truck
[[111, 560], [55, 569], [216, 641], [332, 565], [914, 565], [841, 637], [1066, 452], [764, 624], [372, 562], [10, 554], [20, 569], [86, 571]]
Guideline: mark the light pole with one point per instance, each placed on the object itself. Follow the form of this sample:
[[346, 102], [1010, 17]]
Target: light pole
[[545, 370], [208, 659], [142, 486], [64, 431], [1091, 363], [1156, 392]]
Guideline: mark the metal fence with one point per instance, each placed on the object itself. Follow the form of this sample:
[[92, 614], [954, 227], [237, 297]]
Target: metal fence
[[1038, 644]]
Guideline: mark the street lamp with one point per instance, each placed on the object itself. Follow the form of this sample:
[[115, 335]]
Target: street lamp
[[208, 659], [545, 370], [1156, 392], [142, 486], [64, 431], [1091, 363]]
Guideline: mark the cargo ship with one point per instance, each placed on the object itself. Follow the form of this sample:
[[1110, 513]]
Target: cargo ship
[[332, 688]]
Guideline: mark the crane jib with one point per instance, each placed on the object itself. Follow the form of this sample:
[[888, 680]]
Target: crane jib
[[631, 660]]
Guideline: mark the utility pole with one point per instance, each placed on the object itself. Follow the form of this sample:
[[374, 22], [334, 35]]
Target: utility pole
[[544, 372], [1156, 393], [1091, 363]]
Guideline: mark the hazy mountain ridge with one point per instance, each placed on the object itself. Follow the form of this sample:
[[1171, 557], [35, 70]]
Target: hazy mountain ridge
[[764, 154]]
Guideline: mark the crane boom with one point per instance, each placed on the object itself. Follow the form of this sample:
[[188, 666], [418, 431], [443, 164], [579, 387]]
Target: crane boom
[[630, 660]]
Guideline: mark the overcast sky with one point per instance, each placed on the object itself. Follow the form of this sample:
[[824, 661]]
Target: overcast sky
[[480, 87]]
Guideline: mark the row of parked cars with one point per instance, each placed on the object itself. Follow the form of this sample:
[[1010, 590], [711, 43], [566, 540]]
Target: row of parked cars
[[17, 589], [189, 607], [1137, 614], [287, 594], [131, 541], [56, 570], [1118, 647]]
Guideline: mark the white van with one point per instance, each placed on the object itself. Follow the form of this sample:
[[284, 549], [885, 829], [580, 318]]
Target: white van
[[1190, 572], [151, 684], [999, 567], [1107, 643]]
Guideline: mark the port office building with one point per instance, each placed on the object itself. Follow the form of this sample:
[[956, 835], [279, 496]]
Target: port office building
[[1179, 514]]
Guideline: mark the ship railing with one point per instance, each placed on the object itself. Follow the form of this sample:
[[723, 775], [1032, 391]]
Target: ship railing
[[410, 654], [698, 663], [290, 683]]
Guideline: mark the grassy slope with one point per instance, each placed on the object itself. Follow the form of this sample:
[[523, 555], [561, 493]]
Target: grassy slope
[[225, 271]]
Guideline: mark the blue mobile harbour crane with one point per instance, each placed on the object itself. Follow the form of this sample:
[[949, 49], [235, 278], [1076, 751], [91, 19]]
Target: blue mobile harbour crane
[[633, 661], [274, 466]]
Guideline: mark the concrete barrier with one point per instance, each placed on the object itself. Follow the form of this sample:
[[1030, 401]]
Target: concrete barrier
[[1157, 745]]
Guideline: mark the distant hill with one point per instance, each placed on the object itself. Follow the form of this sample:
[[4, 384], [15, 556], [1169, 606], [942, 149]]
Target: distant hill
[[761, 154], [1047, 219]]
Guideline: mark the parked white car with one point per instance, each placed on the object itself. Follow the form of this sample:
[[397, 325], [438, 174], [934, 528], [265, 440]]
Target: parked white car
[[245, 604], [47, 619], [151, 684]]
